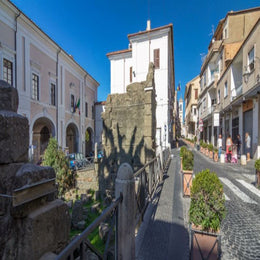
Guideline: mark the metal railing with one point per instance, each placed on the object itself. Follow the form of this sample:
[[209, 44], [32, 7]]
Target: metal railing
[[79, 246], [146, 181]]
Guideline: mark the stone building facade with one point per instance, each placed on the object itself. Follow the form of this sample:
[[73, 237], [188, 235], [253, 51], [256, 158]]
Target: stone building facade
[[192, 91], [228, 103], [56, 94], [129, 129]]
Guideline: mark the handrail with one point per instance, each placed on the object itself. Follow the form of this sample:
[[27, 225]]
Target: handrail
[[76, 243]]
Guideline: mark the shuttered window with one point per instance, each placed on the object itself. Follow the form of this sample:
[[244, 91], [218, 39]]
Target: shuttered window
[[156, 57], [196, 94], [131, 74]]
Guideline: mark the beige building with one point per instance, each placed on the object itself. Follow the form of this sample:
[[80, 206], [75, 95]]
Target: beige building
[[229, 98], [192, 91], [226, 41], [56, 94]]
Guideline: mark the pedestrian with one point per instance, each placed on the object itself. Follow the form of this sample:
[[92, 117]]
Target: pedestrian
[[238, 145], [229, 148], [248, 145], [219, 145]]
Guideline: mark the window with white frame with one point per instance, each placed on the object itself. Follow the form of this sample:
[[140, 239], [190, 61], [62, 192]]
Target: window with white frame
[[180, 107], [35, 86], [204, 104], [225, 90], [251, 57], [194, 111], [53, 94], [8, 71]]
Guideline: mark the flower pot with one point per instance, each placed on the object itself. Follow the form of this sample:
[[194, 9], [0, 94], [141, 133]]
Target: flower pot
[[207, 152], [257, 178], [201, 149], [186, 182], [204, 245], [215, 157], [181, 164], [210, 154]]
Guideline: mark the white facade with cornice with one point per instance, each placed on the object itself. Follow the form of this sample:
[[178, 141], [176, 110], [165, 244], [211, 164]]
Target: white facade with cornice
[[131, 65]]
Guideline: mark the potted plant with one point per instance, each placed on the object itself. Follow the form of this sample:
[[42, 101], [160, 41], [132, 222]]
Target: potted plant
[[201, 146], [206, 150], [210, 148], [215, 154], [257, 171], [207, 210], [187, 172], [183, 150]]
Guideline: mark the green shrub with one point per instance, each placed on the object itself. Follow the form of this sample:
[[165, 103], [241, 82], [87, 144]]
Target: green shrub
[[205, 146], [210, 147], [207, 207], [257, 164], [215, 150], [188, 161], [201, 143], [55, 157], [183, 150], [195, 139]]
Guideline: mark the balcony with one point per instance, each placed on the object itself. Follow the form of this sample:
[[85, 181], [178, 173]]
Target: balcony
[[235, 92]]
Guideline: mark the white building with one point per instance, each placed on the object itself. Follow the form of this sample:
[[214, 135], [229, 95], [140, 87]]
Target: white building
[[131, 65], [181, 111]]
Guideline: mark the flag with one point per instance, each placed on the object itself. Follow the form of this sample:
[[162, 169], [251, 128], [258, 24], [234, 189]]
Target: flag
[[179, 87], [78, 105]]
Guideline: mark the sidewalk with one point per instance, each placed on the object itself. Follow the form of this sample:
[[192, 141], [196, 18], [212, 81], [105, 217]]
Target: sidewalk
[[163, 234]]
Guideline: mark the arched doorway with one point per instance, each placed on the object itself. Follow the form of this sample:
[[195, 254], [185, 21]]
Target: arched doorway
[[43, 129], [88, 142], [72, 138]]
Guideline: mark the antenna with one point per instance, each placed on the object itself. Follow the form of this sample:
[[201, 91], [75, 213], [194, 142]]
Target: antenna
[[149, 9]]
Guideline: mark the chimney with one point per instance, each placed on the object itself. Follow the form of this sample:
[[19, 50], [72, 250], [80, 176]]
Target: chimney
[[148, 28]]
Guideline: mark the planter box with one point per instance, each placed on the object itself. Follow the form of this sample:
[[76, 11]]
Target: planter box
[[204, 245], [257, 178], [186, 182], [216, 157]]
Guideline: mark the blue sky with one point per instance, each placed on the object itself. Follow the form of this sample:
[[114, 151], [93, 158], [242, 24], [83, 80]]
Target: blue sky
[[89, 29]]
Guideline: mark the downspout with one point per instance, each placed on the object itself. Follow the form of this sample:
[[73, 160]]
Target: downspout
[[15, 47], [57, 96]]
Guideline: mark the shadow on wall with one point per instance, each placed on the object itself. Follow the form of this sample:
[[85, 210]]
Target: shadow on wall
[[136, 156]]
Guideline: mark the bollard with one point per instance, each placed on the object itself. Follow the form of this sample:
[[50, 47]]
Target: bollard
[[125, 185]]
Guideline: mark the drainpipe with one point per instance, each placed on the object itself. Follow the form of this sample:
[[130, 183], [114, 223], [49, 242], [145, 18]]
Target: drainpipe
[[57, 96], [15, 47]]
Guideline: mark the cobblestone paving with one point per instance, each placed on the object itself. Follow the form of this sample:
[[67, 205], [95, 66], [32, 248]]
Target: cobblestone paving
[[241, 228]]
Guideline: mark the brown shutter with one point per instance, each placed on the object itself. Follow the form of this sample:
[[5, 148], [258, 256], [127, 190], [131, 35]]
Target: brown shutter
[[131, 74], [156, 56], [196, 94]]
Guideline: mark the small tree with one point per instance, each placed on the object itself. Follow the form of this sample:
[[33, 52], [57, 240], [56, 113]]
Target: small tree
[[55, 157]]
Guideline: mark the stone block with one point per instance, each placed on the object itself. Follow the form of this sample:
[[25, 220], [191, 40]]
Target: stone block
[[14, 138], [8, 97], [44, 230], [77, 213]]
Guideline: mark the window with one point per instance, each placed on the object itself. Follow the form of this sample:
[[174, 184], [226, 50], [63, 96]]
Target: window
[[194, 111], [204, 104], [251, 56], [156, 58], [131, 74], [196, 93], [225, 90], [8, 71], [86, 109], [218, 96], [72, 104], [180, 108], [35, 86], [53, 96], [225, 33], [93, 112]]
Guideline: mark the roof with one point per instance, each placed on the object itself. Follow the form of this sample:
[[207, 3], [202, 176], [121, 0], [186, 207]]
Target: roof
[[58, 46], [150, 31], [118, 52]]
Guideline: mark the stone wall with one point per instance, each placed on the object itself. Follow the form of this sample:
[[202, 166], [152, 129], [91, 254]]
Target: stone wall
[[86, 179], [32, 220], [129, 129]]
